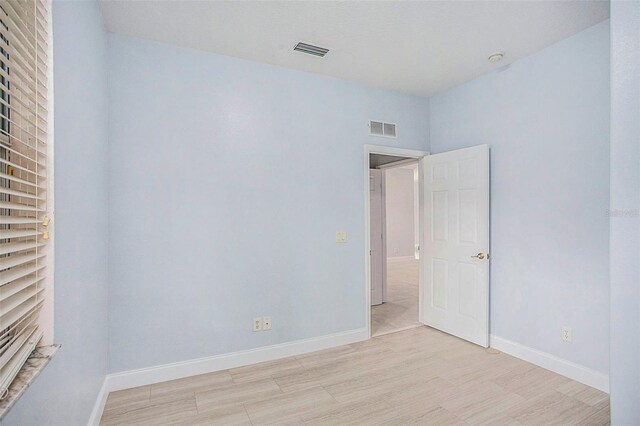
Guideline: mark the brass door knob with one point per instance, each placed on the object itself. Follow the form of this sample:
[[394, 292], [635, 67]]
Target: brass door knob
[[479, 256]]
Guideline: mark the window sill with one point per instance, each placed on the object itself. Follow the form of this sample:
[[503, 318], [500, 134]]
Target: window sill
[[31, 369]]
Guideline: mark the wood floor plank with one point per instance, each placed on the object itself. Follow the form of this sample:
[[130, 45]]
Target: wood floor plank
[[350, 366], [187, 387], [231, 415], [288, 407], [482, 402], [530, 381], [584, 393], [552, 408], [236, 393], [127, 400], [370, 412], [265, 370], [164, 413]]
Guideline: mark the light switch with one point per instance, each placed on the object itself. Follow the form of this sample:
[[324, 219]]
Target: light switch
[[341, 236]]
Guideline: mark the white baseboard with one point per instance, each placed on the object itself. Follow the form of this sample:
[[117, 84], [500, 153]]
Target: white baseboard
[[400, 259], [178, 370], [98, 407], [574, 371]]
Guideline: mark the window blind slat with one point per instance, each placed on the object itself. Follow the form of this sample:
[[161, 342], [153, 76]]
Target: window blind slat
[[15, 97], [13, 366], [18, 247], [16, 50], [15, 20], [20, 318], [20, 313], [18, 285], [18, 220], [18, 180], [17, 273], [11, 349], [8, 339], [23, 157], [19, 167], [19, 78], [18, 233], [22, 129], [12, 261], [16, 300], [20, 81], [20, 139], [22, 115], [16, 206], [6, 191]]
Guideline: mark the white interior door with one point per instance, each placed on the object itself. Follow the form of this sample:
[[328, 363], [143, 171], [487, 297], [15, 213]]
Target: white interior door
[[456, 240], [376, 240]]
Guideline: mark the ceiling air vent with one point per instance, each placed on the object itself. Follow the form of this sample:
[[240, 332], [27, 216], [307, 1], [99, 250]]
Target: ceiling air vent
[[379, 128], [310, 49]]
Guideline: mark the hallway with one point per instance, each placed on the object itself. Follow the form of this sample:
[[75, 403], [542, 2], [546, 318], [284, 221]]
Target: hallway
[[401, 309]]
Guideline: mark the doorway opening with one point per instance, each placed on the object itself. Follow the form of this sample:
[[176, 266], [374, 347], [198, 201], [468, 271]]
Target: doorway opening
[[394, 258], [394, 207]]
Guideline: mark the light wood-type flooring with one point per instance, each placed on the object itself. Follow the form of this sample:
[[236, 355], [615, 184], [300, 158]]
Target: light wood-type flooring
[[418, 376]]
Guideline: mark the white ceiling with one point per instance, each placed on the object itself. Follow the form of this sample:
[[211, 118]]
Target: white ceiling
[[420, 47]]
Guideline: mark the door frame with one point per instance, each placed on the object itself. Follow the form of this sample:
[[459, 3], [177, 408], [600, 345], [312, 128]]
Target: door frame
[[400, 152]]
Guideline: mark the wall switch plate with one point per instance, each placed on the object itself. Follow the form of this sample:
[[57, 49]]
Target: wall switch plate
[[257, 324], [341, 236], [567, 334], [266, 323]]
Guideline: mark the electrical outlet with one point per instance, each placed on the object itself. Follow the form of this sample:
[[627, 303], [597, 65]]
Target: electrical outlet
[[266, 323], [341, 236], [257, 324], [567, 334]]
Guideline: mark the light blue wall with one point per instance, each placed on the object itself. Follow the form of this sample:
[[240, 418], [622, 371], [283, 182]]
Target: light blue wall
[[625, 208], [229, 180], [546, 118], [65, 392]]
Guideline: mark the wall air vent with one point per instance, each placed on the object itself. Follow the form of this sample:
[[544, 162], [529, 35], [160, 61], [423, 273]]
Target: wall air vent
[[310, 49], [379, 128]]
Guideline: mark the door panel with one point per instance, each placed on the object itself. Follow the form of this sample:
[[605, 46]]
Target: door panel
[[456, 194]]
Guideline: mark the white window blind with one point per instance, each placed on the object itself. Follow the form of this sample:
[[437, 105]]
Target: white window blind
[[23, 180]]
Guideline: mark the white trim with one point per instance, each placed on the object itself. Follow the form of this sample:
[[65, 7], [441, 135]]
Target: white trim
[[385, 150], [46, 319], [569, 369], [98, 407], [397, 259], [416, 212], [179, 370], [383, 228], [398, 164], [397, 330]]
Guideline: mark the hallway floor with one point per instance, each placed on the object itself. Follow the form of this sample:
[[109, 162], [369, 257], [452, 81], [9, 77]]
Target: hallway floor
[[418, 376], [401, 308]]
